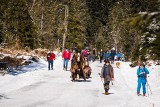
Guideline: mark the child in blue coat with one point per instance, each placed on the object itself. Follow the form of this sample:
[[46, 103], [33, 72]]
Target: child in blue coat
[[142, 72]]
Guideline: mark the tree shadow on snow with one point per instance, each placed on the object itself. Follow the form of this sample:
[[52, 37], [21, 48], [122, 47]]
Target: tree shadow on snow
[[16, 72], [3, 97], [26, 69]]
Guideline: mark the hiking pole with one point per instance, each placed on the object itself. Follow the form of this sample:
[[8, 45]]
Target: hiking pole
[[149, 87], [147, 90]]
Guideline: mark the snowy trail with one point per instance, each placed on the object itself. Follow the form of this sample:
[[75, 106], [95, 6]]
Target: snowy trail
[[43, 88]]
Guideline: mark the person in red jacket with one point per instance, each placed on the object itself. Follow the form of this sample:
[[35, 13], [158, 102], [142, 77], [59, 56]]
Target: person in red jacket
[[50, 59], [66, 57]]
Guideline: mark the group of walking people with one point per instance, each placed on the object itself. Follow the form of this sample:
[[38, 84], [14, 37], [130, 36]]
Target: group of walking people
[[107, 71], [111, 55], [65, 56]]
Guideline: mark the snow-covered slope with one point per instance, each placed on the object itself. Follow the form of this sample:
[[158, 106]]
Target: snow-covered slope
[[42, 88]]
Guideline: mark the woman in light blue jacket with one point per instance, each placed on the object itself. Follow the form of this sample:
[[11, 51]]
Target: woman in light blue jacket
[[142, 72]]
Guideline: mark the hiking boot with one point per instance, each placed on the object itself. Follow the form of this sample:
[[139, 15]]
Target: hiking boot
[[64, 69], [144, 94], [138, 93], [106, 92]]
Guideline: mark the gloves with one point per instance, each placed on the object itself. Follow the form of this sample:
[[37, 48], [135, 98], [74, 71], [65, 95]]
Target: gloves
[[142, 73]]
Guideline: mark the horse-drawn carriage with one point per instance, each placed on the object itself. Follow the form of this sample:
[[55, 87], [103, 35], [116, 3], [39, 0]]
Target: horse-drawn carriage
[[80, 67]]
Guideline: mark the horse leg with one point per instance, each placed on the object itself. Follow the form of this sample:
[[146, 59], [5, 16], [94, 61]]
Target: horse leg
[[84, 75], [76, 75], [73, 76], [89, 74]]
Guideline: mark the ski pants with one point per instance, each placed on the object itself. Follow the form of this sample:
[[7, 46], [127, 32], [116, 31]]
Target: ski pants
[[101, 58], [65, 63], [141, 81], [106, 83]]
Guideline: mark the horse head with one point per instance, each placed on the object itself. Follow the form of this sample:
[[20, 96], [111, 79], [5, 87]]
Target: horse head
[[78, 57]]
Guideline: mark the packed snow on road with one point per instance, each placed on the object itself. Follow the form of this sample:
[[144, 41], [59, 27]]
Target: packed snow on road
[[36, 86]]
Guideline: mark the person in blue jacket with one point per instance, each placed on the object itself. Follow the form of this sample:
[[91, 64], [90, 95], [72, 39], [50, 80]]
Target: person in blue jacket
[[107, 55], [112, 55], [142, 72], [119, 55]]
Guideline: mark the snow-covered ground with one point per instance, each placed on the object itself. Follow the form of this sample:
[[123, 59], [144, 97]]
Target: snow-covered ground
[[35, 86]]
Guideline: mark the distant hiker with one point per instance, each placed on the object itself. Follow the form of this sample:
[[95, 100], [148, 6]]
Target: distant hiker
[[126, 58], [101, 55], [89, 55], [119, 55], [84, 53], [76, 50], [61, 49], [107, 74], [50, 59], [66, 57], [113, 53], [107, 55], [93, 54], [142, 72]]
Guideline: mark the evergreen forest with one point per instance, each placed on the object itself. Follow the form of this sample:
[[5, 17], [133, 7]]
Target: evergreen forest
[[131, 26]]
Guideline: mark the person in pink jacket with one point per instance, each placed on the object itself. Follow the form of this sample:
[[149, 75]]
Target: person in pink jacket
[[66, 57]]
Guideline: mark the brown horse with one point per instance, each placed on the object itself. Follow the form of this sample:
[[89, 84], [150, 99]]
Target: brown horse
[[76, 67], [86, 68]]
